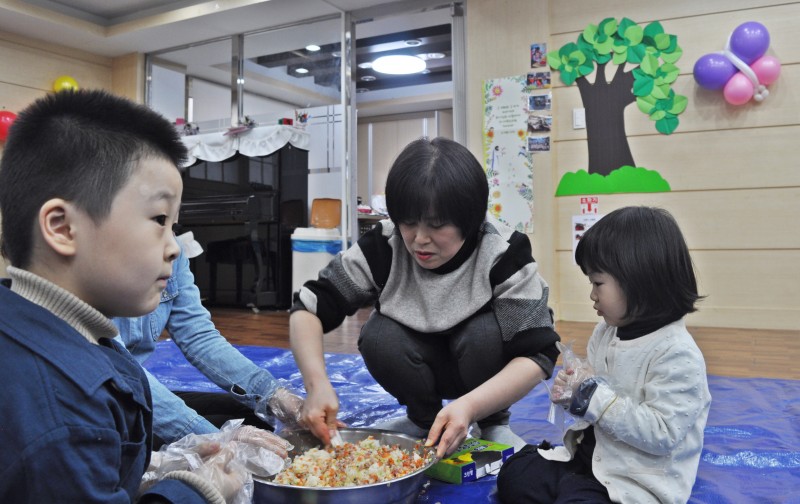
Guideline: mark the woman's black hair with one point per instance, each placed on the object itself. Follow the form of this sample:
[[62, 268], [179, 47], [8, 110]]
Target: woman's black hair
[[438, 180], [644, 250]]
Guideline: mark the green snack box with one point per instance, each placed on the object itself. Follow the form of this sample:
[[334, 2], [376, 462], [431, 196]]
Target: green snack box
[[474, 459]]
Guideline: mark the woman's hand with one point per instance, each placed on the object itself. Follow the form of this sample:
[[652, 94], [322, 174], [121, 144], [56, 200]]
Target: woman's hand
[[450, 427], [319, 412]]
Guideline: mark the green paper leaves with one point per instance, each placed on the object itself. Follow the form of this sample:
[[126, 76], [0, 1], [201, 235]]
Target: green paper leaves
[[571, 62], [663, 111], [625, 42]]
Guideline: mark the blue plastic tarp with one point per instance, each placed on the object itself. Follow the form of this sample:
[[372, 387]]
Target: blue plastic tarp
[[752, 439]]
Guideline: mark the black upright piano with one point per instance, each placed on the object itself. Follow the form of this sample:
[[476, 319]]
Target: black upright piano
[[243, 211]]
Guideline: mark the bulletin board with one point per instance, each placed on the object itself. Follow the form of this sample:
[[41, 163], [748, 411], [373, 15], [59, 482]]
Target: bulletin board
[[506, 156]]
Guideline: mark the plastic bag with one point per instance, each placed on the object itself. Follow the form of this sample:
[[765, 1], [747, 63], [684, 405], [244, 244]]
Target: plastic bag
[[230, 457], [285, 406], [561, 395]]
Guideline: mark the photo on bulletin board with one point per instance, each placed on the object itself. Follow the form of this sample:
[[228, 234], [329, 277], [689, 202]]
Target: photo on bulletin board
[[539, 80], [539, 122], [581, 224], [539, 102], [539, 143], [538, 55]]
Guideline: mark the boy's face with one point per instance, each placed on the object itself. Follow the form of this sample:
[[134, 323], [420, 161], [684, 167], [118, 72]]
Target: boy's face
[[122, 264], [609, 299], [431, 245]]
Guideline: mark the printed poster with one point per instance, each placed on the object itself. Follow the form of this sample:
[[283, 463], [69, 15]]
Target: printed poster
[[506, 155], [581, 224]]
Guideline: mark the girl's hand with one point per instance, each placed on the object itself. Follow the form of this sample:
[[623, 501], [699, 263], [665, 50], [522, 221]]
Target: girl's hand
[[567, 382]]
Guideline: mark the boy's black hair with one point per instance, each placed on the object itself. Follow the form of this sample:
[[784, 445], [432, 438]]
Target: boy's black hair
[[644, 250], [437, 179], [81, 146]]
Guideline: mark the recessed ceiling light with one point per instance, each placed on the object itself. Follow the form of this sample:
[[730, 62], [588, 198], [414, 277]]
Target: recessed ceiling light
[[434, 55], [368, 78], [312, 47], [398, 64], [361, 90], [366, 64], [301, 70], [413, 42], [336, 54]]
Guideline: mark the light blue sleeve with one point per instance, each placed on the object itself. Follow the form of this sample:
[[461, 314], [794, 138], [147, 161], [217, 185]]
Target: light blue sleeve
[[172, 418], [190, 326]]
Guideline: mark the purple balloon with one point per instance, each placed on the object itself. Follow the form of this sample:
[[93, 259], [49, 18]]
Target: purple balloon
[[749, 41], [713, 71]]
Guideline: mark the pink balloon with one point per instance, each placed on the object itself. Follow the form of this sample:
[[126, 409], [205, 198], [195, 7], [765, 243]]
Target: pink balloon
[[767, 69], [738, 90]]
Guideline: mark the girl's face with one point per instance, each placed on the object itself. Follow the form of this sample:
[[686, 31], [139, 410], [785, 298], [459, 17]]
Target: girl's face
[[609, 299], [431, 244]]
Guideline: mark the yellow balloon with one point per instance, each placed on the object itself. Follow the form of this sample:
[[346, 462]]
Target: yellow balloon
[[65, 83]]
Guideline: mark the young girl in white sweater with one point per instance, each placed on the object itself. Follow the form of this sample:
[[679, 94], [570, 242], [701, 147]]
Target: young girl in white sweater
[[641, 399]]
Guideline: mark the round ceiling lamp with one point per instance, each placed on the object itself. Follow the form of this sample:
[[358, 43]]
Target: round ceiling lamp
[[398, 64]]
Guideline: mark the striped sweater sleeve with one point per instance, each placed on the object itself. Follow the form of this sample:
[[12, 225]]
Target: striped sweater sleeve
[[520, 305], [352, 280]]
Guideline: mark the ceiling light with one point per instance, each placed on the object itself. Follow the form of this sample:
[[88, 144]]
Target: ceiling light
[[368, 78], [361, 90], [313, 47], [301, 70], [434, 55], [366, 64], [398, 64], [413, 42], [336, 54]]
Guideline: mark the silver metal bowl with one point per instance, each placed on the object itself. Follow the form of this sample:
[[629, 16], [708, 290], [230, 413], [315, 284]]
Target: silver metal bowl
[[402, 490]]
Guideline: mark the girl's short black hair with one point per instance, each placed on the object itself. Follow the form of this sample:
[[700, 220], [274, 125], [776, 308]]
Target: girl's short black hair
[[437, 179], [81, 146], [644, 250]]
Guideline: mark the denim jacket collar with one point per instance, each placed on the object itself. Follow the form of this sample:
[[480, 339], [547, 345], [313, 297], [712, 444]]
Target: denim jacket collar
[[89, 372]]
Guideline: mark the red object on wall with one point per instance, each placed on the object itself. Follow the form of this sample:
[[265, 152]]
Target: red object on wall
[[6, 119], [286, 121]]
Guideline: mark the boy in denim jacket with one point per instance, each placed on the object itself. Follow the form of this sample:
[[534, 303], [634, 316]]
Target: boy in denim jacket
[[89, 191]]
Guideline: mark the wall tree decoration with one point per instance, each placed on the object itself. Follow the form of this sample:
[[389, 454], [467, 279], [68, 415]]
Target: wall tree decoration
[[611, 166]]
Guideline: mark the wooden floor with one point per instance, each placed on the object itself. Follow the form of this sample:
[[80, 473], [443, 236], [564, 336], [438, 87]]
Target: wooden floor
[[749, 353]]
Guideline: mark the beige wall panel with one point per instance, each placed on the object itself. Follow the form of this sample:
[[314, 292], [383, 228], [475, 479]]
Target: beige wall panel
[[707, 110], [37, 68], [500, 33], [128, 76], [762, 295], [574, 15], [55, 49], [389, 138], [742, 219], [384, 150], [15, 98], [706, 160], [445, 123]]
